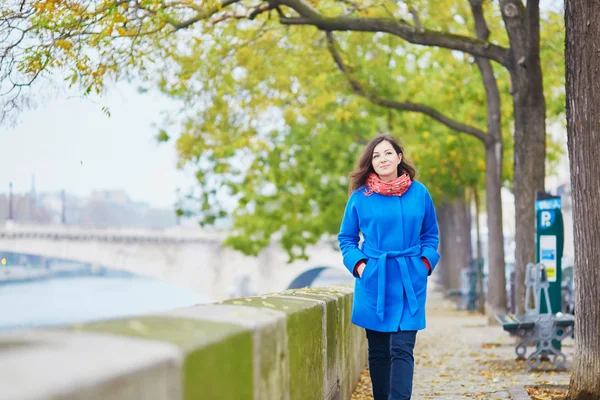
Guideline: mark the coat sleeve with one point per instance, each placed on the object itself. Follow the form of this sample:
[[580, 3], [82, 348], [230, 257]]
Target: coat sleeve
[[349, 238], [429, 233]]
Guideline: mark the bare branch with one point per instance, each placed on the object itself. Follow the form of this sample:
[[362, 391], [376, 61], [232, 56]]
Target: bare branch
[[352, 6], [249, 14], [415, 15], [492, 94], [435, 114], [481, 28], [396, 105], [308, 15], [203, 15]]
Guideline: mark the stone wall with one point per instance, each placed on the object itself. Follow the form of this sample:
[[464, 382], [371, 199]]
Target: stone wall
[[298, 344]]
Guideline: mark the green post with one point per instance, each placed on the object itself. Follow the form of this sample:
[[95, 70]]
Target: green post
[[549, 248]]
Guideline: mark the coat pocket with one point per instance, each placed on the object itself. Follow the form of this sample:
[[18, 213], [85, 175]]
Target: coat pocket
[[368, 271], [419, 275], [424, 268], [369, 277]]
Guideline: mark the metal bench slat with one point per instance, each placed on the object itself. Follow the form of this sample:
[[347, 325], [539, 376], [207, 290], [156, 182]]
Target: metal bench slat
[[512, 322]]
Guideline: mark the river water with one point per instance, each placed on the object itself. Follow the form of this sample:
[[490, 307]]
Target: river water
[[66, 292], [74, 299]]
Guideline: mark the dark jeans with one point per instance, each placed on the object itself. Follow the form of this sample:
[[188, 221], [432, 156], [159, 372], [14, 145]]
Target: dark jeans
[[391, 363]]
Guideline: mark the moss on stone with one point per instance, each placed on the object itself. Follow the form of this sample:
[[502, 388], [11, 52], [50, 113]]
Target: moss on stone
[[274, 302], [186, 333], [218, 358], [273, 355], [223, 370], [333, 309], [305, 341], [305, 344]]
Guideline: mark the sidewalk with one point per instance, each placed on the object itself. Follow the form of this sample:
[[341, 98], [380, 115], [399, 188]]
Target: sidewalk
[[458, 356]]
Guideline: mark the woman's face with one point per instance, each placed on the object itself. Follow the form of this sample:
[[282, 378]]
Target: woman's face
[[385, 161]]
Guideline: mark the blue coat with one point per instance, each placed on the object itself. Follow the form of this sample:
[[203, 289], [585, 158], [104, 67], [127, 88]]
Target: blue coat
[[397, 232]]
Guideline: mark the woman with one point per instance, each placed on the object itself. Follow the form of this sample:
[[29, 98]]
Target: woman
[[396, 217]]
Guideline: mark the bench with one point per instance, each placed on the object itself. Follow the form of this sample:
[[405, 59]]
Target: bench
[[535, 328], [512, 323]]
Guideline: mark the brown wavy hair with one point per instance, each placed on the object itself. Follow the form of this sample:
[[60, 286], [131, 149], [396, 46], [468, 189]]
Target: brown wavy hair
[[364, 166]]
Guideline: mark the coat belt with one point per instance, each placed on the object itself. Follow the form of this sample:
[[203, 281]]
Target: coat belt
[[400, 257]]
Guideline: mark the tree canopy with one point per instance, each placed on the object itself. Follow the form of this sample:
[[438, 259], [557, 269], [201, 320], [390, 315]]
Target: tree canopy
[[275, 112]]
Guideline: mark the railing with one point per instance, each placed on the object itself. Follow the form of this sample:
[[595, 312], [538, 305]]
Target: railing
[[62, 236]]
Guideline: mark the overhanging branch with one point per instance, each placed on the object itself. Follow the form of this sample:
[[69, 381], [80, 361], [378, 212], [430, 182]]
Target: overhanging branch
[[308, 15], [200, 16], [358, 88], [249, 14]]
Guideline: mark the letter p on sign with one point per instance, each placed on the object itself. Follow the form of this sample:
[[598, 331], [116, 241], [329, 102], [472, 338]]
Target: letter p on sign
[[546, 219]]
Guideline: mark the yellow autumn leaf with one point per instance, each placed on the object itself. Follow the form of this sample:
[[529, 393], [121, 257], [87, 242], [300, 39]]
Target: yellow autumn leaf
[[64, 44]]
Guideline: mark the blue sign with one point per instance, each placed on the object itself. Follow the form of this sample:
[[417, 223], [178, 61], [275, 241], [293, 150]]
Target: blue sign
[[547, 219], [548, 255], [550, 204]]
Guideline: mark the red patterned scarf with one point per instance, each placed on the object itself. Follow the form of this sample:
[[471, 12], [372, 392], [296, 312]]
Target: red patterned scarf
[[397, 187]]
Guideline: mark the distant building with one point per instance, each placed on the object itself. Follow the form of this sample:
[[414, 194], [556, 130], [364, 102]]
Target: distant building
[[103, 208], [119, 197], [24, 209]]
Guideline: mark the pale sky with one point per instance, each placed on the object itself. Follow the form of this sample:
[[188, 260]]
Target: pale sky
[[71, 144]]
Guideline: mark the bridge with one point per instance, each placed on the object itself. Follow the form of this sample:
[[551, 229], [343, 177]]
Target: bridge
[[192, 258]]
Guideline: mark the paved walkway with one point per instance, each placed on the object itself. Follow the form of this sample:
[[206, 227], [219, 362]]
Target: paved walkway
[[459, 356]]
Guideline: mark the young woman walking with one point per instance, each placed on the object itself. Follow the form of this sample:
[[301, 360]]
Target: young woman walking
[[396, 217]]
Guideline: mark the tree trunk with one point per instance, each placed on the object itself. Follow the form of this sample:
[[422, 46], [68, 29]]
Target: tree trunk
[[461, 244], [583, 132], [493, 175], [523, 27], [479, 259], [496, 300], [455, 241], [443, 248], [448, 256]]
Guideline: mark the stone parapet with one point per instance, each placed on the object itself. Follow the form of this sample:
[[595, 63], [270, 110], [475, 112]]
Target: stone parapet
[[297, 344]]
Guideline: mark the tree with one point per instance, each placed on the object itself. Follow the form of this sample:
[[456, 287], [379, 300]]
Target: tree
[[583, 133], [446, 162], [122, 32]]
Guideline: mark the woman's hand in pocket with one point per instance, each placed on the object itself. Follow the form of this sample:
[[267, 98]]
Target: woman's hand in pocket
[[427, 265], [360, 268]]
